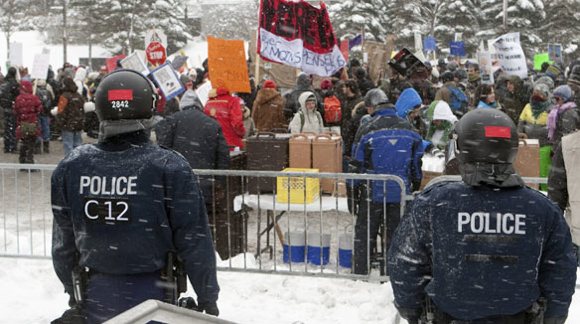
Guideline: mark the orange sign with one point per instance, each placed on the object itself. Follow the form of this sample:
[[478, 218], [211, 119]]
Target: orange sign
[[227, 64]]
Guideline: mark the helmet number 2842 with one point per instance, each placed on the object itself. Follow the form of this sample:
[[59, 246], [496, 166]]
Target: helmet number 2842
[[118, 104]]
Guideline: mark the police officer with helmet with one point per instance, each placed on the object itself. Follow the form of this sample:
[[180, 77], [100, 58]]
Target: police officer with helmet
[[122, 208], [487, 249]]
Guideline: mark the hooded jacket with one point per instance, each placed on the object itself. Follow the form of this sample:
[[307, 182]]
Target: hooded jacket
[[303, 84], [268, 110], [408, 100], [306, 120], [9, 91], [26, 107], [70, 111], [226, 109], [439, 135]]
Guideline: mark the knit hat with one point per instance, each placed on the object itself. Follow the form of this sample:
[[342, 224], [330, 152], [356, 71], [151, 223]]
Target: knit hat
[[325, 84], [553, 72], [547, 81], [269, 84], [542, 90], [574, 78], [564, 92]]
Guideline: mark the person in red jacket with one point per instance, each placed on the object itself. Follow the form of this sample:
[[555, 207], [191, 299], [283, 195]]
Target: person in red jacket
[[26, 108], [226, 109]]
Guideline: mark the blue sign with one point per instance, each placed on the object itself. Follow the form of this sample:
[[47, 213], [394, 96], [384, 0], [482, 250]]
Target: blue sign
[[457, 48], [429, 44]]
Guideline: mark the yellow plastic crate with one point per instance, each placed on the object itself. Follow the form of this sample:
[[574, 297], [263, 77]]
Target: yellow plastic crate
[[296, 185]]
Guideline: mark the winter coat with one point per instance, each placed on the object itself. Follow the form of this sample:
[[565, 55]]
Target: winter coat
[[563, 181], [514, 102], [165, 212], [306, 121], [70, 113], [248, 122], [226, 109], [350, 120], [387, 144], [534, 127], [567, 121], [79, 78], [9, 91], [303, 84], [27, 107], [268, 111], [199, 138], [439, 135], [482, 251], [407, 101], [485, 105]]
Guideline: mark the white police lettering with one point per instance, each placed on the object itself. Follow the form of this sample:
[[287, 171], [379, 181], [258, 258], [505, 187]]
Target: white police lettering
[[114, 186], [491, 223]]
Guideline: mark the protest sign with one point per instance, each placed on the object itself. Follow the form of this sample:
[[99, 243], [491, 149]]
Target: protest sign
[[167, 80], [485, 67], [418, 42], [377, 57], [429, 44], [283, 75], [510, 55], [16, 54], [203, 92], [112, 62], [541, 58], [135, 63], [457, 48], [300, 35], [156, 54], [227, 64], [405, 62], [40, 66], [555, 52]]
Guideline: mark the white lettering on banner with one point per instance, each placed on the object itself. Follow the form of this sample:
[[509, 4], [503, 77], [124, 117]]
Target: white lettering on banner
[[511, 55], [491, 223], [293, 53], [114, 186]]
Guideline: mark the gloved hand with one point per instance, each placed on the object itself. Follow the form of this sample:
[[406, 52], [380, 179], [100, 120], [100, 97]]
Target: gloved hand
[[208, 308], [187, 302], [73, 315]]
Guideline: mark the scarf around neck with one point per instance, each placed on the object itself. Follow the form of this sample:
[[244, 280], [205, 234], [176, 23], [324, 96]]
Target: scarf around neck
[[538, 107]]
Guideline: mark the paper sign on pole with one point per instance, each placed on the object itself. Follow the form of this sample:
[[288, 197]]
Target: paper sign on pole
[[167, 81], [418, 42], [511, 55], [134, 62], [555, 52], [40, 66], [227, 64], [16, 54], [430, 44], [539, 59], [203, 92], [457, 48], [485, 67]]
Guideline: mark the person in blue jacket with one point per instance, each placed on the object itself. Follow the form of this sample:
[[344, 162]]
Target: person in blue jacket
[[487, 249], [409, 107], [121, 206], [386, 144]]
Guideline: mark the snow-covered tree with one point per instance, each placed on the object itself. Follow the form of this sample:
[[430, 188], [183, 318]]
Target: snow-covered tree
[[351, 17], [14, 16], [562, 23], [230, 21]]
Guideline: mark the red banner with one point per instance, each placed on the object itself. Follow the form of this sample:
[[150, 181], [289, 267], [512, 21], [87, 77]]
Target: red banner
[[300, 35]]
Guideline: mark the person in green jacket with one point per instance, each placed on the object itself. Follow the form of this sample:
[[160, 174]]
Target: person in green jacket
[[442, 121]]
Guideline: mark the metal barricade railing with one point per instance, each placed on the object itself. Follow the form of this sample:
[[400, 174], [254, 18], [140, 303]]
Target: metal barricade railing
[[252, 231]]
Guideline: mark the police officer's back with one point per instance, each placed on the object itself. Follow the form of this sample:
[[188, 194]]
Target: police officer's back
[[121, 205], [487, 249]]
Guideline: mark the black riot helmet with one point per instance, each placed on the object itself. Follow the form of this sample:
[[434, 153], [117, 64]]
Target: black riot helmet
[[125, 94], [486, 136]]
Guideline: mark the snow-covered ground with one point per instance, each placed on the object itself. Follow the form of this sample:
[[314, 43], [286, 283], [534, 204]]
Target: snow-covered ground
[[31, 293]]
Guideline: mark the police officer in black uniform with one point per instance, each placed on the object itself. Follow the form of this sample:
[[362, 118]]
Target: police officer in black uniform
[[487, 249], [121, 206]]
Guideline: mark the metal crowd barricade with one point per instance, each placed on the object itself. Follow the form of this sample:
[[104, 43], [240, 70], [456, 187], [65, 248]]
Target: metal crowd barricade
[[251, 230]]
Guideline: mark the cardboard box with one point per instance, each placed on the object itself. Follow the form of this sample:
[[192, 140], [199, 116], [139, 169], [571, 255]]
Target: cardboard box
[[301, 150], [327, 157], [527, 163]]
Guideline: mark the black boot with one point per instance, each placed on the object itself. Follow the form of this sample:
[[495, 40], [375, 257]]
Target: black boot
[[46, 146], [37, 147]]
